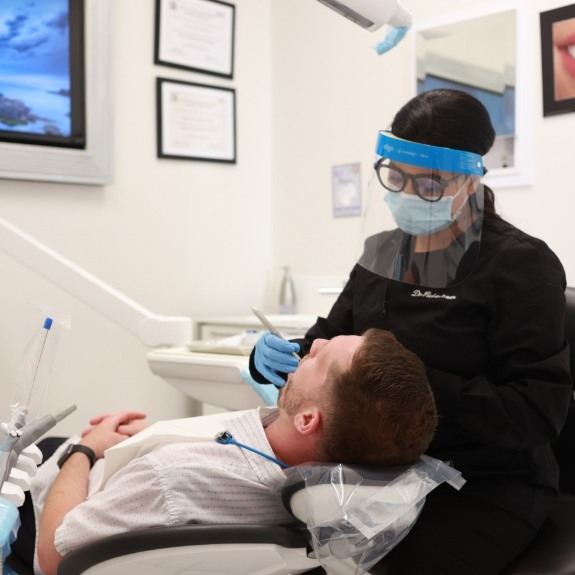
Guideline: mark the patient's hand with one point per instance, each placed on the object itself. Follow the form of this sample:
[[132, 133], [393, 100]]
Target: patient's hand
[[128, 427], [106, 430], [135, 426]]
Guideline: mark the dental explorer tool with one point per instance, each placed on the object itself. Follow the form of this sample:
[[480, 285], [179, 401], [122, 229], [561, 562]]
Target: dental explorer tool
[[270, 327]]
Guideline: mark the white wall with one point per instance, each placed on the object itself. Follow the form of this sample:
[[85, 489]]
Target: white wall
[[179, 237], [332, 94], [196, 238]]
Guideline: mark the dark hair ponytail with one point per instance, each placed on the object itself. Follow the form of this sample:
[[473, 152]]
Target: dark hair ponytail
[[451, 119]]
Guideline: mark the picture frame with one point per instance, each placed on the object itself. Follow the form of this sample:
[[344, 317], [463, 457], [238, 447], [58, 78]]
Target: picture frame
[[91, 164], [195, 35], [196, 121], [513, 39], [558, 64], [42, 86]]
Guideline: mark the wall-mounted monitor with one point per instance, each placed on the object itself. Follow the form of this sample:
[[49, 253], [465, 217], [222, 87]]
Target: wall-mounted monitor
[[70, 140], [42, 73]]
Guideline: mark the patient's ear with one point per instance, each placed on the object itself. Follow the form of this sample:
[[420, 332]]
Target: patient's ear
[[307, 421]]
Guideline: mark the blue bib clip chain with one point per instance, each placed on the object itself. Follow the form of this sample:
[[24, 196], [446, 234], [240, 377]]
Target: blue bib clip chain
[[226, 438]]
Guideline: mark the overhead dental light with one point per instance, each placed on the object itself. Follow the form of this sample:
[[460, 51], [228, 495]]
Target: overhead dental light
[[372, 15]]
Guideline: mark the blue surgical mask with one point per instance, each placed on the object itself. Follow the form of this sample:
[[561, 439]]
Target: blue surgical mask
[[418, 217]]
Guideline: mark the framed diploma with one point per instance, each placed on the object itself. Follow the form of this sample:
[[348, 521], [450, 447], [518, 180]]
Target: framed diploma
[[196, 121], [196, 35]]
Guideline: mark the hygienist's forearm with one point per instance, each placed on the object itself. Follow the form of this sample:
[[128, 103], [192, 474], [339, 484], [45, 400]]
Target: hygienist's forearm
[[69, 490]]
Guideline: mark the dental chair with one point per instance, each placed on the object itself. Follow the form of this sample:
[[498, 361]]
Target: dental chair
[[197, 550], [284, 550], [552, 552], [313, 494]]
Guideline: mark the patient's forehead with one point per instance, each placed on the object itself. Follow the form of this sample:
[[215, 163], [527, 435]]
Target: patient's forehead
[[324, 357], [345, 346], [338, 352]]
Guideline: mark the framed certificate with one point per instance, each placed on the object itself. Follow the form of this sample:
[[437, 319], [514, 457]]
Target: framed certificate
[[196, 121], [196, 35]]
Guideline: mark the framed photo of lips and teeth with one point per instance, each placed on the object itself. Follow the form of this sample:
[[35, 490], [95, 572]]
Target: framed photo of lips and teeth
[[558, 60]]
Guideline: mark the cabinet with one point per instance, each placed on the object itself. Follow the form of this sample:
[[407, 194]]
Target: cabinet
[[216, 327], [216, 378]]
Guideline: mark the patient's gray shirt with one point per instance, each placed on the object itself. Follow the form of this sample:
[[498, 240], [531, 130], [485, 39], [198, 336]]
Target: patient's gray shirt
[[185, 482]]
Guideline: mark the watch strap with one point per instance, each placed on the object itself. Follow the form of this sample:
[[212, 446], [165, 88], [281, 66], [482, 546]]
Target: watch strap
[[77, 448]]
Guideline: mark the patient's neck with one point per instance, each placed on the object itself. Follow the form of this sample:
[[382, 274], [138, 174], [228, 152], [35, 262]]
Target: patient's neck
[[288, 445]]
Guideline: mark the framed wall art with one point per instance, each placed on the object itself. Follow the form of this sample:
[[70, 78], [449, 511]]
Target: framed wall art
[[558, 60], [42, 99], [499, 74], [196, 35], [55, 91], [196, 121]]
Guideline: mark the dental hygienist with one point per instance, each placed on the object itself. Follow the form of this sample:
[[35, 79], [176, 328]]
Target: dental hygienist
[[482, 303]]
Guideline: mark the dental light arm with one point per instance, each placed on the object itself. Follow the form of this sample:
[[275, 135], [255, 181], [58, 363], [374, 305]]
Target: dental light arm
[[372, 15]]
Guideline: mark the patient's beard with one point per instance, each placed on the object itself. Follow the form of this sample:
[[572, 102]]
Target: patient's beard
[[292, 399]]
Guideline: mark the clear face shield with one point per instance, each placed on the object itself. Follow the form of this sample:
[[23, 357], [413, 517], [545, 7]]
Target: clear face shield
[[424, 217]]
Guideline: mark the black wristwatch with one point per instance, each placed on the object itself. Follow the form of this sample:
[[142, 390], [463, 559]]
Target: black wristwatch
[[77, 448]]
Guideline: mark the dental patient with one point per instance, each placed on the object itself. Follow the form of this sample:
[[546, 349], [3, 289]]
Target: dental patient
[[352, 399]]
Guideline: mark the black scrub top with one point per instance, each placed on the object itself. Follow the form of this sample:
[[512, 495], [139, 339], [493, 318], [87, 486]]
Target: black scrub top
[[494, 348]]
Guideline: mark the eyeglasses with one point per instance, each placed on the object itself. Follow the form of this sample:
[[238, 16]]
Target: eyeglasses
[[429, 187]]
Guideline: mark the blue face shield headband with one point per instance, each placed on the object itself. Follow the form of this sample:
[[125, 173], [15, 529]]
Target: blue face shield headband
[[426, 156], [424, 215]]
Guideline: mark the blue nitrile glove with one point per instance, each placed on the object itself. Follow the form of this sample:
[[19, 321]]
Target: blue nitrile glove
[[9, 524], [268, 393], [273, 355]]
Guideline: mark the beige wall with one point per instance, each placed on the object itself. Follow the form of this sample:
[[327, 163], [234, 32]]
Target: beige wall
[[191, 238], [332, 94], [181, 238]]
